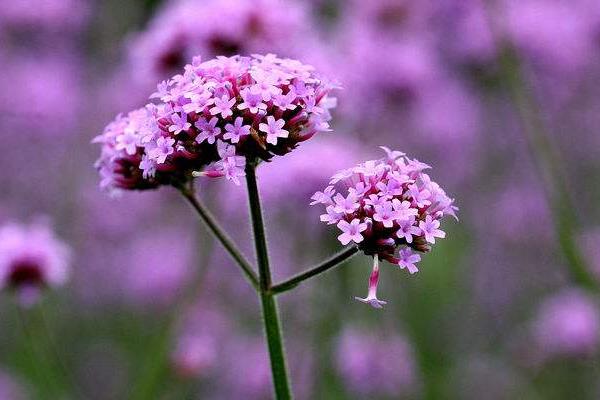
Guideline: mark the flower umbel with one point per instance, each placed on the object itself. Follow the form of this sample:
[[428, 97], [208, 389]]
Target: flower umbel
[[233, 102], [390, 208]]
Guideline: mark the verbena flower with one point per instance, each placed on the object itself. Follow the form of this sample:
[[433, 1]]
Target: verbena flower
[[31, 259], [390, 208], [228, 28], [211, 118], [567, 325]]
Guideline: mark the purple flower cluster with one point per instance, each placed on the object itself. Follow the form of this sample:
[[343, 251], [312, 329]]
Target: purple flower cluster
[[228, 28], [31, 258], [212, 117], [387, 204]]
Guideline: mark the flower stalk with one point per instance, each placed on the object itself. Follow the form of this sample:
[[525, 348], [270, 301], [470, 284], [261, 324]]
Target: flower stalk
[[220, 234], [550, 168], [269, 304], [326, 265]]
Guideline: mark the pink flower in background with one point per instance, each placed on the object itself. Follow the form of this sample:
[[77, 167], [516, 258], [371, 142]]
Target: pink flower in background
[[156, 266], [567, 325], [11, 388], [46, 15], [32, 258], [551, 35], [50, 93], [173, 36], [381, 220], [199, 349]]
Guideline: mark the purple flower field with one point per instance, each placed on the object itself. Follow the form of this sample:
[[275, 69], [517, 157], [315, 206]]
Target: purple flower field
[[277, 199]]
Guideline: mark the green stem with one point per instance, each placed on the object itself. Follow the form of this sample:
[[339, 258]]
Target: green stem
[[331, 262], [268, 302], [216, 229], [550, 168], [43, 366]]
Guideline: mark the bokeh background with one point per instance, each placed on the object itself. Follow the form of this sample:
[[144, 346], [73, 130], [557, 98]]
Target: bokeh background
[[500, 97]]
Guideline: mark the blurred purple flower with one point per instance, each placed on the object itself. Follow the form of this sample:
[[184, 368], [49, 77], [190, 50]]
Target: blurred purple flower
[[228, 27], [46, 95], [44, 15], [156, 266], [371, 365], [10, 388], [199, 350], [32, 258], [567, 324], [552, 35]]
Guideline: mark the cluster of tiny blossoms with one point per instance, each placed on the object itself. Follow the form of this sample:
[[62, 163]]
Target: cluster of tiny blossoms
[[386, 205], [212, 118]]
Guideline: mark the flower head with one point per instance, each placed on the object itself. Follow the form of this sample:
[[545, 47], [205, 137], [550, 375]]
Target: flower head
[[31, 259], [229, 100], [567, 325], [389, 207]]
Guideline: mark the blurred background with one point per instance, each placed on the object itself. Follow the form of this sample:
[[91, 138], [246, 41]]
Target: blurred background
[[500, 97]]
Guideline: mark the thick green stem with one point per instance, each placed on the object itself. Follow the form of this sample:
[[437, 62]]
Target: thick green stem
[[268, 302], [550, 168], [326, 265], [220, 234]]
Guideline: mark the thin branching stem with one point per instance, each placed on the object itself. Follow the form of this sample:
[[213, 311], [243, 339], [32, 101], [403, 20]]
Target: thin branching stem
[[550, 167], [221, 235], [333, 261]]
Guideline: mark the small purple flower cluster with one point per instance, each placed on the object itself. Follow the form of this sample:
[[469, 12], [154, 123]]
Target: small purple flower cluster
[[228, 27], [213, 117], [388, 204], [31, 258]]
